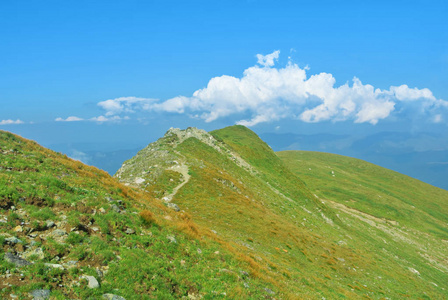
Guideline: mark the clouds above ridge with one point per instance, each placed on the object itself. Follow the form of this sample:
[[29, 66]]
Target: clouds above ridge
[[268, 93], [11, 122]]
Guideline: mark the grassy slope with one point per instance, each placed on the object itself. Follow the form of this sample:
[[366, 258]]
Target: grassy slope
[[287, 235], [411, 216], [38, 185]]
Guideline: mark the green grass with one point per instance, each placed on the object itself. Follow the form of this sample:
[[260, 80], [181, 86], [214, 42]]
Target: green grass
[[250, 220]]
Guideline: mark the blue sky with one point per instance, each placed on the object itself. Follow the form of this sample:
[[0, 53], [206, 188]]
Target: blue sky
[[123, 72]]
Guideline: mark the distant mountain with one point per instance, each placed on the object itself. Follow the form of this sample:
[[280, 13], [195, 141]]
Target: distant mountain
[[421, 155]]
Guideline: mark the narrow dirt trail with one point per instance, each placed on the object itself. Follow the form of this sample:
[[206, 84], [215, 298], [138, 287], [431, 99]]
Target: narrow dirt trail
[[182, 169]]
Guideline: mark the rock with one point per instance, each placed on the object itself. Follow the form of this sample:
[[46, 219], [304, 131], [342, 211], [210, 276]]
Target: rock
[[37, 252], [269, 291], [99, 273], [59, 232], [14, 259], [171, 238], [102, 210], [18, 229], [55, 266], [246, 285], [112, 297], [71, 264], [115, 208], [130, 231], [13, 240], [244, 274], [40, 294], [173, 206], [93, 283], [199, 251], [50, 224]]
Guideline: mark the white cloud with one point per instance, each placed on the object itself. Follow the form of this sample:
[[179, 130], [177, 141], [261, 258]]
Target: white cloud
[[125, 104], [267, 93], [11, 122], [268, 60], [102, 119], [404, 93], [69, 119]]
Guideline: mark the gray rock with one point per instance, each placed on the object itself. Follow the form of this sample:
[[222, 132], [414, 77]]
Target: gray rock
[[93, 283], [14, 259], [13, 240], [130, 231], [173, 206], [40, 294], [50, 224], [171, 238], [59, 232], [55, 266], [246, 285], [269, 291], [112, 297], [115, 208]]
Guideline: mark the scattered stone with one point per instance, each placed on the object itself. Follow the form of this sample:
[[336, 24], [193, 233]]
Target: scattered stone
[[102, 210], [14, 259], [414, 271], [130, 231], [99, 273], [214, 231], [246, 285], [50, 224], [168, 218], [93, 283], [182, 262], [244, 274], [59, 232], [18, 229], [112, 297], [13, 240], [33, 235], [115, 208], [173, 206], [216, 252], [172, 239], [199, 251], [55, 266], [40, 294], [38, 252], [269, 291], [95, 229], [71, 264]]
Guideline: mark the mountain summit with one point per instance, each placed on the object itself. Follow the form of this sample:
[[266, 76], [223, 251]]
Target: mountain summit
[[312, 236]]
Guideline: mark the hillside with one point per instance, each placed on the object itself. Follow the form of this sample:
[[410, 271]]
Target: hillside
[[70, 231], [306, 242]]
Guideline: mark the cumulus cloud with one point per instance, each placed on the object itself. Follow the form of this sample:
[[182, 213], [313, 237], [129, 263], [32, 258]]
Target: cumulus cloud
[[268, 60], [268, 93], [11, 122], [69, 119], [125, 105]]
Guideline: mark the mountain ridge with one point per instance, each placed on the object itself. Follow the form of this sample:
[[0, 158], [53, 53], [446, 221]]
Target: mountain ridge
[[219, 215]]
